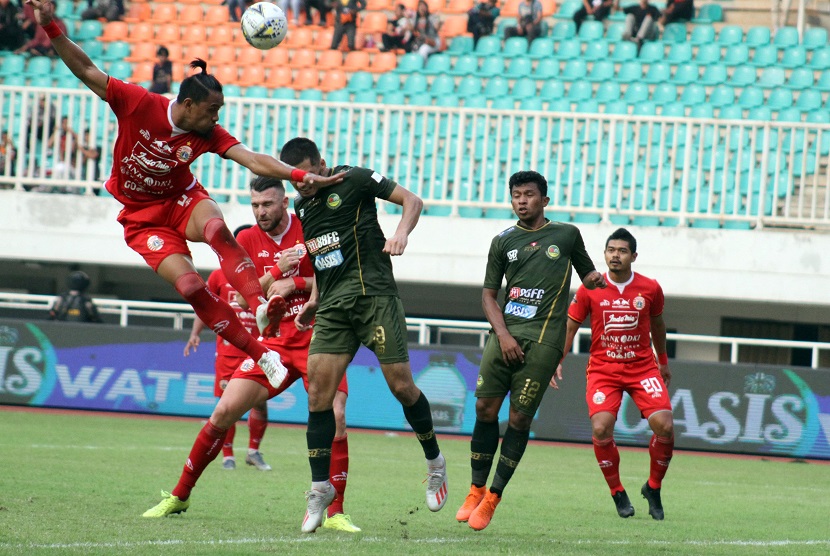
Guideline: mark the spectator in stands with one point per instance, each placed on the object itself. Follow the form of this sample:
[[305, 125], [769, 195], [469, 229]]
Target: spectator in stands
[[63, 144], [162, 72], [323, 7], [40, 45], [42, 123], [600, 9], [89, 152], [677, 10], [75, 305], [345, 21], [425, 39], [398, 31], [11, 32], [296, 8], [28, 21], [481, 19], [529, 23], [640, 23], [7, 154], [111, 10]]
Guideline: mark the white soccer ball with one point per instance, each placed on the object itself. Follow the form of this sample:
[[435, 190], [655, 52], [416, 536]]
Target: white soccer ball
[[264, 25]]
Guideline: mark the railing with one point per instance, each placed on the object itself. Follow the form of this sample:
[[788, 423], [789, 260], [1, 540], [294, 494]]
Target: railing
[[428, 331], [620, 168]]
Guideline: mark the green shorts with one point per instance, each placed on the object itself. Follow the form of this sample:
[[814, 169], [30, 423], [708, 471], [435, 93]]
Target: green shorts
[[526, 383], [376, 321]]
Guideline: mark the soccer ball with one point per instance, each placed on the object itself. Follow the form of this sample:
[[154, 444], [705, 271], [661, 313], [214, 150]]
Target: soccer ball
[[264, 25]]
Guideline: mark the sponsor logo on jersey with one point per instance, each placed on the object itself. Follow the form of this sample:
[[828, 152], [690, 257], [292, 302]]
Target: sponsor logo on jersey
[[508, 230], [520, 310], [479, 381], [263, 254], [620, 320], [154, 243], [151, 162], [527, 293], [639, 303], [329, 260], [161, 146], [553, 252], [184, 153], [319, 242], [599, 398], [513, 255], [302, 213], [620, 304], [532, 247], [146, 134], [603, 303], [334, 200]]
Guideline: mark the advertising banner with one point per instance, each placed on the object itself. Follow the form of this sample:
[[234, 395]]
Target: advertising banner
[[751, 409]]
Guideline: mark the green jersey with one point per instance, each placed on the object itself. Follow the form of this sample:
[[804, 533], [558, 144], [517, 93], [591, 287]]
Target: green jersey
[[343, 236], [537, 267]]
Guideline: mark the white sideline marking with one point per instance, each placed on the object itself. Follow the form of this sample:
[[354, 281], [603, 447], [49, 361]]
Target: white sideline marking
[[305, 539]]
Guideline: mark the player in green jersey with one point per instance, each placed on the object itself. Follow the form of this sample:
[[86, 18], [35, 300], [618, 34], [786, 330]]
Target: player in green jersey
[[525, 345], [355, 301]]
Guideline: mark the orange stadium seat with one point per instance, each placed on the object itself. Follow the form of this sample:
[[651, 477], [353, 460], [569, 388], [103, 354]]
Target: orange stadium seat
[[251, 74], [114, 31], [142, 52], [180, 71], [142, 71], [383, 62], [302, 37], [216, 14], [306, 78], [196, 2], [379, 5], [330, 59], [276, 57], [190, 14], [278, 77], [357, 60], [453, 26], [137, 12], [224, 54], [322, 40], [333, 80], [176, 52], [410, 4], [168, 33], [249, 56], [197, 51], [548, 7], [194, 33], [373, 22], [459, 6], [141, 32], [435, 6], [163, 13], [303, 58], [221, 34], [226, 74], [511, 8]]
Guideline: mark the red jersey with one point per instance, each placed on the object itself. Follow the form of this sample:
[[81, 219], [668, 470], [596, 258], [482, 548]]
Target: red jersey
[[265, 251], [219, 285], [152, 157], [620, 318]]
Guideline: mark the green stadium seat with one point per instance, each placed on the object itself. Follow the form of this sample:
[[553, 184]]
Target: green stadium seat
[[646, 108], [714, 74], [761, 113], [685, 74], [41, 82], [388, 82], [504, 24], [660, 72], [519, 67], [709, 13], [523, 88], [575, 69], [94, 49], [287, 93], [794, 57], [602, 70], [823, 82], [469, 87], [608, 91], [772, 77], [514, 46], [116, 50], [461, 45], [613, 33], [541, 48], [722, 95], [260, 91], [708, 54], [736, 55], [369, 97], [563, 29], [496, 87], [800, 79], [393, 97], [339, 95], [533, 104], [630, 72], [814, 37], [491, 66], [546, 68], [786, 37], [765, 56], [808, 100], [624, 52], [503, 103], [120, 69], [412, 62], [652, 52], [680, 53], [636, 92], [591, 30], [579, 90], [664, 93], [616, 107], [674, 33], [751, 97], [780, 99], [13, 64], [742, 76], [437, 63], [757, 36], [568, 49], [730, 34], [39, 66], [466, 64], [361, 81], [589, 106], [488, 45], [449, 100], [731, 112], [820, 60], [89, 29], [704, 110], [442, 85], [415, 83], [702, 34], [596, 50], [233, 91], [552, 90]]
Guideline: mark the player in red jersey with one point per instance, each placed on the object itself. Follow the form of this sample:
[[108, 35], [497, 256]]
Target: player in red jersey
[[228, 360], [164, 204], [626, 319]]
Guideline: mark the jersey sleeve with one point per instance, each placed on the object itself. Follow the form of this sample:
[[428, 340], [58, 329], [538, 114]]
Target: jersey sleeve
[[376, 184], [124, 98], [658, 301], [580, 306], [580, 259], [495, 266], [221, 141]]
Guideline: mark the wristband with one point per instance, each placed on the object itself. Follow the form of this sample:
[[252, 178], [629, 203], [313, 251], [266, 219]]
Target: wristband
[[299, 283], [297, 174], [663, 358], [275, 272], [52, 30]]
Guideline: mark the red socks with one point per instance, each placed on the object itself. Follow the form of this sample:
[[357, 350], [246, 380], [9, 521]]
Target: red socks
[[660, 449], [227, 447], [207, 446], [608, 458], [235, 262], [339, 471], [257, 423], [217, 314]]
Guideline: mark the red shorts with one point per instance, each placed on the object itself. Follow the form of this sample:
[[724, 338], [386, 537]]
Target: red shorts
[[158, 230], [295, 360], [226, 365], [642, 381]]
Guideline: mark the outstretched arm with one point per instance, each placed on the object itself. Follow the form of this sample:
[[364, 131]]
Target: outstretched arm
[[71, 54], [412, 205], [266, 165]]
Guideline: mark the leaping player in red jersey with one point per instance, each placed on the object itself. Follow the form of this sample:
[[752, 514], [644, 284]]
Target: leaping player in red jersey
[[164, 205], [277, 247], [626, 319]]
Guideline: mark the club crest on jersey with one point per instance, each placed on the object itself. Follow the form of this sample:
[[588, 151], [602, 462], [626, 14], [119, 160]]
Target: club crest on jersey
[[301, 250], [639, 303], [599, 398], [184, 153], [247, 365], [154, 243], [553, 252], [334, 200], [479, 381]]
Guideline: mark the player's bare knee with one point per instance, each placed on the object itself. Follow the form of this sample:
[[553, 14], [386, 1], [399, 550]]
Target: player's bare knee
[[520, 421], [602, 430], [662, 424], [487, 409]]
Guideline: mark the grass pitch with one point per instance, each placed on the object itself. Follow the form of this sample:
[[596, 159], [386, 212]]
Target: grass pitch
[[77, 483]]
